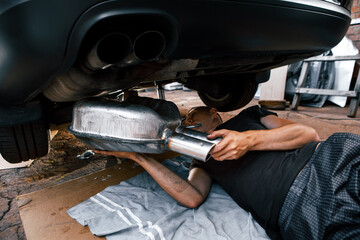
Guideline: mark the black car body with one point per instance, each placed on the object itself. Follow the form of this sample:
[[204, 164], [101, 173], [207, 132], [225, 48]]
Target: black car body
[[55, 52]]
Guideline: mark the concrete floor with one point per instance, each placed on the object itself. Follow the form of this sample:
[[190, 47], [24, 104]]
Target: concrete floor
[[62, 165]]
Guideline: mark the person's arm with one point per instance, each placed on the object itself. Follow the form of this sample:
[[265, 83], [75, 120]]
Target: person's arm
[[282, 134], [190, 193]]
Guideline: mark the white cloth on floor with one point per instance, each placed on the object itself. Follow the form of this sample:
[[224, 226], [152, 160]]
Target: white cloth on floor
[[140, 209]]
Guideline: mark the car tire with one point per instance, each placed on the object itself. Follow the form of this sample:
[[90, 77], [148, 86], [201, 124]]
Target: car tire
[[240, 94], [23, 142]]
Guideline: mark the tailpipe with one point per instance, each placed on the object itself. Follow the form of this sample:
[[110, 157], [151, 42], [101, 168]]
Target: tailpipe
[[149, 45], [192, 143], [109, 50]]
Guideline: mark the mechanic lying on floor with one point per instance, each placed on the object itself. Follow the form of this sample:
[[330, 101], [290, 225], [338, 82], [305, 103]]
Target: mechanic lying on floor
[[294, 186]]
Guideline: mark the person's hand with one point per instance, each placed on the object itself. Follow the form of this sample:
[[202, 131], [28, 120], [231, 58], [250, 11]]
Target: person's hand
[[233, 145], [128, 155]]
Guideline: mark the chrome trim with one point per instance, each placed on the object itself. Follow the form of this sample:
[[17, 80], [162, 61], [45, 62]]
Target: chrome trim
[[333, 1], [321, 4], [194, 126]]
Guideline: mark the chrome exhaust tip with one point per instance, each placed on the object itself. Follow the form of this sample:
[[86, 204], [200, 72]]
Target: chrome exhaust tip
[[192, 143], [111, 49], [149, 45]]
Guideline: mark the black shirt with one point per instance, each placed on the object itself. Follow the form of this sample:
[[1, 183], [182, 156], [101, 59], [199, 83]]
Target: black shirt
[[258, 181]]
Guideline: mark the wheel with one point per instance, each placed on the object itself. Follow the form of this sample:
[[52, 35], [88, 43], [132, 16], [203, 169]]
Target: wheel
[[240, 94], [23, 142]]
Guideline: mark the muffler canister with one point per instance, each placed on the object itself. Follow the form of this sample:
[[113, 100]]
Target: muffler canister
[[138, 124]]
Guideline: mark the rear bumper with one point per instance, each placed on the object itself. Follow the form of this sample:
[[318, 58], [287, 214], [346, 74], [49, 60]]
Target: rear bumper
[[262, 26]]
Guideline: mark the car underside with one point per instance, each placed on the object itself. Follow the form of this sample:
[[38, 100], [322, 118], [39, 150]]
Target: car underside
[[56, 52]]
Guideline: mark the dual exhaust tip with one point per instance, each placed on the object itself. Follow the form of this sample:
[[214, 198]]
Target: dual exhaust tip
[[118, 49]]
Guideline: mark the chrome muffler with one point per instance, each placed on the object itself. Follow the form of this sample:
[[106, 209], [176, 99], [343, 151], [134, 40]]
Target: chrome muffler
[[139, 124]]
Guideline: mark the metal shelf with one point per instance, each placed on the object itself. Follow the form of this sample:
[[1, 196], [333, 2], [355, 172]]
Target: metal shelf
[[354, 94]]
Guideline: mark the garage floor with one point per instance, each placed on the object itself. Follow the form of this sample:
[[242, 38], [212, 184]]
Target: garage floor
[[61, 165]]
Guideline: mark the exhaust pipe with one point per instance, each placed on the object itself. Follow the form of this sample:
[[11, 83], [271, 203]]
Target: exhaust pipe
[[109, 50], [149, 45], [138, 125], [190, 142], [114, 49], [117, 49]]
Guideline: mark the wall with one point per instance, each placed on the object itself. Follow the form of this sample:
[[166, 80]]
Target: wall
[[354, 31]]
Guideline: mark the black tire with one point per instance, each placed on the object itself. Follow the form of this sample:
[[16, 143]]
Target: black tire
[[23, 142], [241, 93]]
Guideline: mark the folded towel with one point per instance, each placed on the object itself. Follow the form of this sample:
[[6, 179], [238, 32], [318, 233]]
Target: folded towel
[[140, 209]]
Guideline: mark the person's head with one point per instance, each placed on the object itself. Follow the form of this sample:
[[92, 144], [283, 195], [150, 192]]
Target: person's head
[[208, 117]]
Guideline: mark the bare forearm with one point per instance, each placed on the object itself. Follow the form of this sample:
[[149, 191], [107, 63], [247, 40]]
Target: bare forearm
[[178, 188], [287, 137], [281, 134]]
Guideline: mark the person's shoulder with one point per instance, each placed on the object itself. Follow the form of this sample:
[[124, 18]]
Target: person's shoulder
[[250, 109]]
